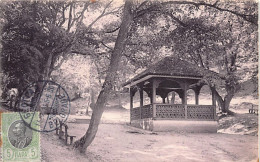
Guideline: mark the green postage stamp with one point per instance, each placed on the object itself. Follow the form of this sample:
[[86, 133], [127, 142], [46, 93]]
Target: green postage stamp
[[20, 143]]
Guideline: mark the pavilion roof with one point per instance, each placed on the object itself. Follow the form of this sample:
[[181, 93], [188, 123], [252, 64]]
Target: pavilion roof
[[170, 66]]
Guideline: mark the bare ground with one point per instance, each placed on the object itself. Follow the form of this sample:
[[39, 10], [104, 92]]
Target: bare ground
[[116, 141], [237, 140], [120, 142]]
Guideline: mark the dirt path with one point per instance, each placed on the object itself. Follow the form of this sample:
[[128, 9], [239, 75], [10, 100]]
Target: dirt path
[[118, 142]]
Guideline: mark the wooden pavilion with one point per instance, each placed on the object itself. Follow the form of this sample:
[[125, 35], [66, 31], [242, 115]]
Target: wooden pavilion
[[165, 76]]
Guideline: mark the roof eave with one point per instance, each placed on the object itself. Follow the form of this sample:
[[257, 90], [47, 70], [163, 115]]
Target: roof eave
[[146, 77]]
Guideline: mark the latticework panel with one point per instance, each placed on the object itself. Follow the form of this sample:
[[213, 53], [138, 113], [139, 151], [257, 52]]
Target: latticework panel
[[147, 111], [170, 111], [135, 113], [200, 112]]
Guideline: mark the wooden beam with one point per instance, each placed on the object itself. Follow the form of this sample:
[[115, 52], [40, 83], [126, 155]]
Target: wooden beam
[[168, 88], [196, 98], [154, 92], [214, 102], [141, 96], [185, 86], [164, 99], [141, 99], [131, 102], [213, 98], [155, 85]]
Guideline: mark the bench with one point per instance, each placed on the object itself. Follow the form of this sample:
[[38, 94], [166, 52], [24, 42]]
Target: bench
[[61, 133], [253, 110]]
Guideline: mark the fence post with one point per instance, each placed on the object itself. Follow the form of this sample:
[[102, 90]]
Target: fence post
[[57, 129], [66, 134], [60, 132]]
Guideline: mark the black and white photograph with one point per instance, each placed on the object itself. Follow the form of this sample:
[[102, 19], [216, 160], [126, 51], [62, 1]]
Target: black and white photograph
[[131, 80]]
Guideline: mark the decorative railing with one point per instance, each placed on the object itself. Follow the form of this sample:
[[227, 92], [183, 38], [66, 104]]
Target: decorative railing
[[147, 111], [170, 111], [135, 113], [201, 112]]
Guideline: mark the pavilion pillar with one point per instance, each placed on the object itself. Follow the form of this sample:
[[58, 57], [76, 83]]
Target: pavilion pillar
[[214, 102], [154, 86], [197, 93], [196, 98], [131, 102], [154, 92], [163, 99], [182, 100], [213, 98], [164, 96], [141, 99], [185, 100], [184, 97]]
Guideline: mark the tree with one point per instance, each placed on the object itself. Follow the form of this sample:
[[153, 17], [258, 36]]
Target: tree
[[204, 35], [33, 39], [38, 36], [220, 47], [86, 140]]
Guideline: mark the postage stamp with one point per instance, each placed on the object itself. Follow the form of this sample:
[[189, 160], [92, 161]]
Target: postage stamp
[[48, 98], [20, 143], [1, 140]]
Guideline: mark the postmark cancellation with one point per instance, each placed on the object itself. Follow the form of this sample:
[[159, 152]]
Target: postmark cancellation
[[52, 101]]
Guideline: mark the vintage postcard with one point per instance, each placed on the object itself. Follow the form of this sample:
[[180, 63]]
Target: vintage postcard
[[129, 80]]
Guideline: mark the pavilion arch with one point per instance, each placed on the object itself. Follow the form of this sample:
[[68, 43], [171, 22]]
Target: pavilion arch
[[146, 98], [140, 96], [191, 97], [136, 98], [205, 95], [168, 85]]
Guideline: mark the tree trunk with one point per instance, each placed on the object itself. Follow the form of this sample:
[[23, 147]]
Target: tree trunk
[[47, 70], [35, 102], [88, 102], [40, 85], [92, 96], [227, 99], [87, 139], [224, 104]]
